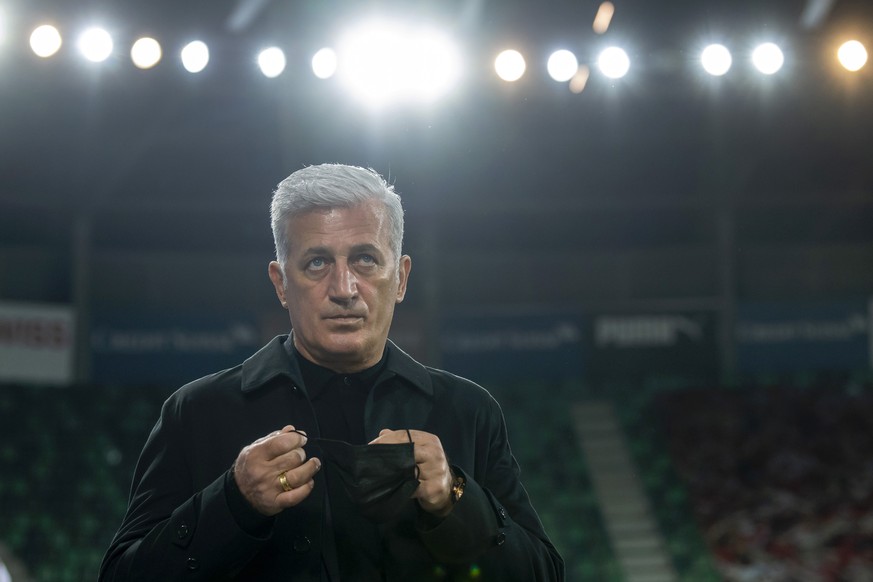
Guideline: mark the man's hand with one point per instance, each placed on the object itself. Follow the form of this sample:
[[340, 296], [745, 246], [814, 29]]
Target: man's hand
[[434, 490], [258, 466]]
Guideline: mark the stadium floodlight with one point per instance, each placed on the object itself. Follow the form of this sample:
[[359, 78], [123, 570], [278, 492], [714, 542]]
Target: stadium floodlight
[[509, 65], [45, 40], [716, 60], [852, 55], [562, 65], [768, 58], [95, 44], [271, 61], [195, 56], [324, 63], [383, 62], [145, 53], [613, 62]]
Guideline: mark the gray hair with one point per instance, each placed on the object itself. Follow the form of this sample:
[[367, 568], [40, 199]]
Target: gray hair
[[332, 186]]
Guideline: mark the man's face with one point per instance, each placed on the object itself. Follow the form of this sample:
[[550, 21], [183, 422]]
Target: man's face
[[341, 282]]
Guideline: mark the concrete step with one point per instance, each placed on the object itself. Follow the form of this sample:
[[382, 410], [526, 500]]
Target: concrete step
[[626, 509], [633, 533], [667, 576], [619, 489], [602, 441], [593, 411], [645, 563], [632, 529], [629, 545]]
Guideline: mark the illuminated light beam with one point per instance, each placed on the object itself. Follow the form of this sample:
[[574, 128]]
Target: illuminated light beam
[[145, 53], [613, 62], [45, 41], [815, 13], [195, 56], [768, 58], [562, 65], [716, 60], [580, 79], [603, 17], [852, 55], [324, 63], [95, 44], [244, 13], [384, 62], [509, 65], [272, 62]]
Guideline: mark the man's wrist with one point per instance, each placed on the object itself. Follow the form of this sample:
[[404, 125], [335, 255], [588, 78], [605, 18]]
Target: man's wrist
[[457, 488], [246, 516], [456, 491]]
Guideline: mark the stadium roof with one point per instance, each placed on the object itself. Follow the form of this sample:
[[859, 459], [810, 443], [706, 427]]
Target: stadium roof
[[75, 136]]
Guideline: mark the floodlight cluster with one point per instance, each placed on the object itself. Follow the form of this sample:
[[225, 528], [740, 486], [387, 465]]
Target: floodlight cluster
[[385, 61]]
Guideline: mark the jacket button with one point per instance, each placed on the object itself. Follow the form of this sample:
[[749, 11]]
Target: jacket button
[[502, 513], [193, 564], [500, 539], [182, 532], [302, 544]]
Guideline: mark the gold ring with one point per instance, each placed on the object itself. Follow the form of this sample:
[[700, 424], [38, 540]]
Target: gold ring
[[283, 481]]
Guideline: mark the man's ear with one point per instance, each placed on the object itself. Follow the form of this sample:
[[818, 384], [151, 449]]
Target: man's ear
[[403, 270], [278, 279]]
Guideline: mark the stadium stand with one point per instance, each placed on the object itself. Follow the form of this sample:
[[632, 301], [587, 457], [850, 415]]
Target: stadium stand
[[67, 457], [769, 481], [780, 476]]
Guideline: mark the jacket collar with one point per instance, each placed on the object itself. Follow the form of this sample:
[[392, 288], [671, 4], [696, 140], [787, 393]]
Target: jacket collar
[[270, 362], [273, 361]]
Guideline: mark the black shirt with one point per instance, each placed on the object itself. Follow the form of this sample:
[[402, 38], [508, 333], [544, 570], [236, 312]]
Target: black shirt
[[339, 401]]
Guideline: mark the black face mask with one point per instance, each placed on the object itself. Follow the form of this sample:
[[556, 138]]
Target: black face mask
[[379, 479]]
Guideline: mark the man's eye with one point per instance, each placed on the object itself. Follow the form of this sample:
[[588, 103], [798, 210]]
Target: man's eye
[[367, 259], [316, 264]]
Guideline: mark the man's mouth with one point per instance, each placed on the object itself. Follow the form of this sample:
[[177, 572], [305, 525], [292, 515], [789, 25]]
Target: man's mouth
[[346, 317]]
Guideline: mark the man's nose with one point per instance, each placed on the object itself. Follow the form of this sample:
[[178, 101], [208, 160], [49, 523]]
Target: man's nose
[[343, 284]]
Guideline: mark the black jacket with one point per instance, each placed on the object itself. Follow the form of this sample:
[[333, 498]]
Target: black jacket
[[184, 519]]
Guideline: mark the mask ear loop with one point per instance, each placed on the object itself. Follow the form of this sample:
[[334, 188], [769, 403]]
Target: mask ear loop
[[409, 436]]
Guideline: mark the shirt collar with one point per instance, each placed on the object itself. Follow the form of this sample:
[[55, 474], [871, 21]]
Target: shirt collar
[[317, 377], [274, 360]]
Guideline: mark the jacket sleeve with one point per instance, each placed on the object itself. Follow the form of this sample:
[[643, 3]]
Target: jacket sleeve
[[494, 524], [170, 530]]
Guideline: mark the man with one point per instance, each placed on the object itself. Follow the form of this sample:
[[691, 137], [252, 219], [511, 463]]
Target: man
[[357, 462]]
